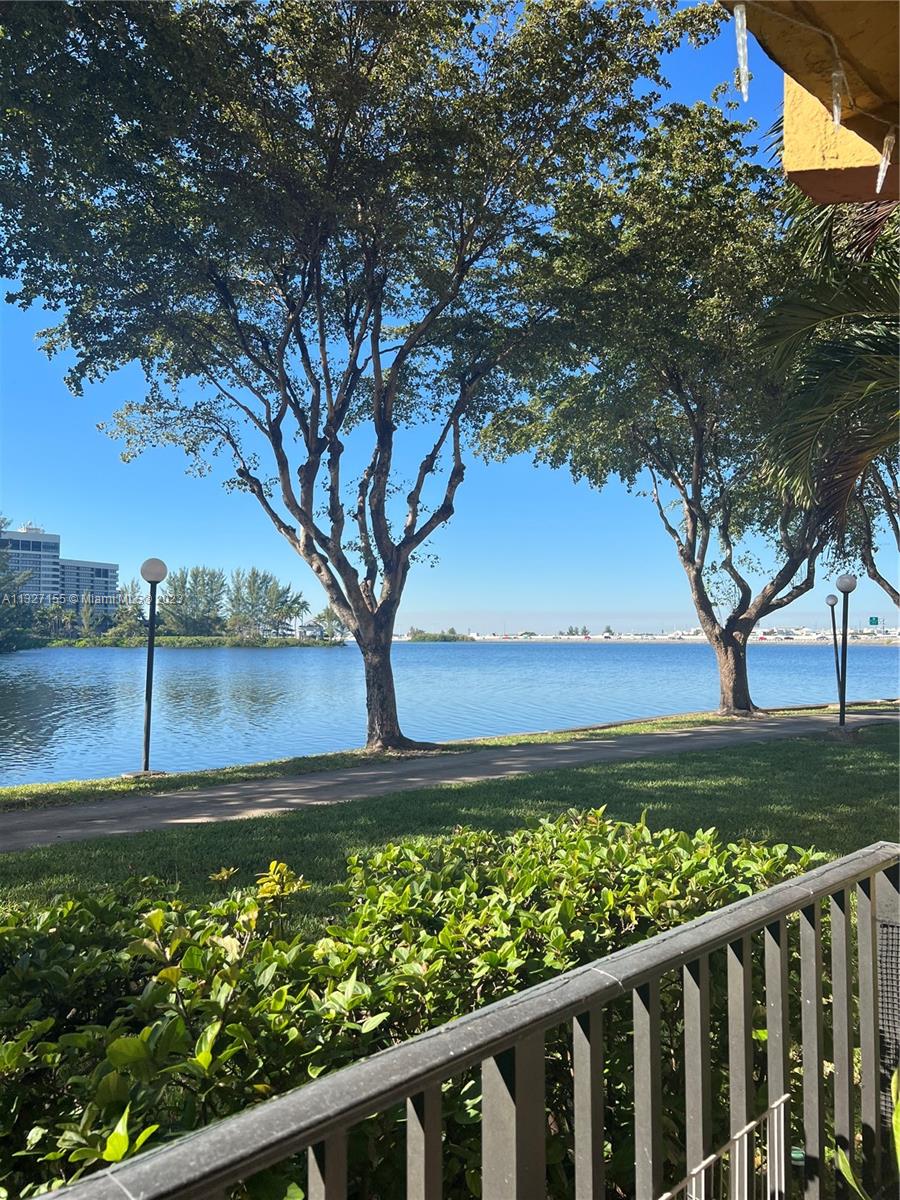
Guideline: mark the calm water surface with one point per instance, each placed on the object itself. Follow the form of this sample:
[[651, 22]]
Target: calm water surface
[[70, 714]]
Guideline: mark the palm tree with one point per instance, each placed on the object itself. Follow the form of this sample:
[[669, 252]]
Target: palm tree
[[86, 617], [56, 617], [331, 623], [837, 339]]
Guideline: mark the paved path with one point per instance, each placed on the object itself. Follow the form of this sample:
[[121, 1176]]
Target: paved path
[[107, 818]]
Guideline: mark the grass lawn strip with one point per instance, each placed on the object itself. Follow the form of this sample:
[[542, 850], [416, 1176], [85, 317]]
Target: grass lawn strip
[[822, 792], [47, 795]]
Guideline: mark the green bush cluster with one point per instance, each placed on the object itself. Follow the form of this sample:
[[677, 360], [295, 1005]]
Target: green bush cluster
[[128, 1017], [443, 635], [23, 640]]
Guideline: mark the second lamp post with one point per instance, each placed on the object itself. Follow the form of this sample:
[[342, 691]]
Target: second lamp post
[[154, 571], [845, 585]]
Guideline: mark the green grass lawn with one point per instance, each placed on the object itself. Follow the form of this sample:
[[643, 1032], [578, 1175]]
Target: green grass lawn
[[47, 795], [833, 794]]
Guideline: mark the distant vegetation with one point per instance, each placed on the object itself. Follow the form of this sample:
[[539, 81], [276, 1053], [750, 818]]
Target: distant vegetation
[[198, 606], [445, 635], [185, 643], [200, 601]]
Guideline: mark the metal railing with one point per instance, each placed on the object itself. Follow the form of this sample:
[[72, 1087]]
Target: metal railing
[[755, 1152], [505, 1041]]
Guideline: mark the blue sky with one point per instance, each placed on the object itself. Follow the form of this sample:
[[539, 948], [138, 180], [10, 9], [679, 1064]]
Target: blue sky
[[526, 548]]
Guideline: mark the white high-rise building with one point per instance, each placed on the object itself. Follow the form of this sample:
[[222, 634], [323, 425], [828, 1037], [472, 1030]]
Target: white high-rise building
[[31, 549], [55, 580]]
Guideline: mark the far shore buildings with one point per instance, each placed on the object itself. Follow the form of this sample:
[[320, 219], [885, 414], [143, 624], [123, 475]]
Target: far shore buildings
[[54, 580]]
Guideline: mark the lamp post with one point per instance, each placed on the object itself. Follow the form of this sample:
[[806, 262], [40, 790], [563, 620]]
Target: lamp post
[[845, 585], [154, 571], [831, 600]]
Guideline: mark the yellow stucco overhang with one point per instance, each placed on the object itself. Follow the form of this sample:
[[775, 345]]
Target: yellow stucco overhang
[[832, 164]]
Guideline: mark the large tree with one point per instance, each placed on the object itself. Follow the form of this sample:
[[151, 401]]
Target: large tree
[[664, 274], [312, 223]]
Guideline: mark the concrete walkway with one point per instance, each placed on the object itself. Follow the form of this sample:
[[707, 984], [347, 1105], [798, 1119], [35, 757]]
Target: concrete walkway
[[20, 830]]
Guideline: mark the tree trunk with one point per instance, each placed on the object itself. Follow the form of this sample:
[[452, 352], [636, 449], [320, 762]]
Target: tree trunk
[[382, 725], [734, 686]]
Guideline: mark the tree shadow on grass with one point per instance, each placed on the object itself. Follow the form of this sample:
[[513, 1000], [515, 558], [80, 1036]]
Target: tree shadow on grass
[[819, 792]]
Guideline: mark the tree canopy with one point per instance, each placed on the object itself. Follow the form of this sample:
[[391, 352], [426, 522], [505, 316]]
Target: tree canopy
[[305, 220], [664, 274]]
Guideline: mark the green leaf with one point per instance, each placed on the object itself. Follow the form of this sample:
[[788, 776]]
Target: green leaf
[[373, 1022], [34, 1136], [155, 919], [142, 1137], [846, 1170], [205, 1042], [192, 959], [117, 1143], [112, 1089], [128, 1051]]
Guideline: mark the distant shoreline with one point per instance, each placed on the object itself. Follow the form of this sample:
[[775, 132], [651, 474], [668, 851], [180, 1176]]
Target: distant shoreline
[[650, 639], [198, 643]]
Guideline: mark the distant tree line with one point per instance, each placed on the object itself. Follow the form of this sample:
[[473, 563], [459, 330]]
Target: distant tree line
[[202, 601], [443, 635], [194, 602]]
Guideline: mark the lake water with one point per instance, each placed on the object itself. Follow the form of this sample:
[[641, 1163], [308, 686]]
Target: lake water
[[74, 714]]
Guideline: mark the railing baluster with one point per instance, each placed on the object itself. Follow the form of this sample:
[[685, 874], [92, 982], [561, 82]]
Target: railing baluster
[[513, 1123], [697, 1068], [587, 1055], [327, 1164], [812, 1049], [647, 1092], [867, 950], [777, 1046], [842, 1028], [740, 1055], [423, 1145]]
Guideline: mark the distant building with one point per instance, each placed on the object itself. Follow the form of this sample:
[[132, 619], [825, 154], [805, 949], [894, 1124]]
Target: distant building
[[32, 550], [313, 632], [97, 580], [55, 580]]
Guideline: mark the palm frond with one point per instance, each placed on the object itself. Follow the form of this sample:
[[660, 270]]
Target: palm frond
[[870, 293], [869, 224]]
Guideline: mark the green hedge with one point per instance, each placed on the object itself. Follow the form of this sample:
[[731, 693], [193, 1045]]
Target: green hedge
[[127, 1017]]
